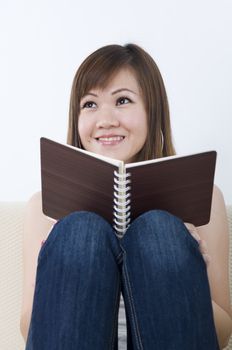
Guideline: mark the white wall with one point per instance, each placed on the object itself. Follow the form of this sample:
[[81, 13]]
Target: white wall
[[43, 42]]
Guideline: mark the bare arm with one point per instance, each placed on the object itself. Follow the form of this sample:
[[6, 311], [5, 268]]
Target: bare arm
[[216, 236], [36, 229], [223, 325]]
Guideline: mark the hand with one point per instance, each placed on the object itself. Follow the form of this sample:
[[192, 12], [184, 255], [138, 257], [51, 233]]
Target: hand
[[202, 244]]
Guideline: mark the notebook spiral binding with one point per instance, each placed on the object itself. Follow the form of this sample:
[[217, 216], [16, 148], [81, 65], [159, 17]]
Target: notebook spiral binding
[[121, 202]]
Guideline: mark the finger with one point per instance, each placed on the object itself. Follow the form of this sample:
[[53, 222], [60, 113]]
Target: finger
[[189, 226], [203, 246], [192, 229], [207, 258], [195, 234]]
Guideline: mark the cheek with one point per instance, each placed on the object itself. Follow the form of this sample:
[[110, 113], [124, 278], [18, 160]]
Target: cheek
[[83, 127], [139, 124]]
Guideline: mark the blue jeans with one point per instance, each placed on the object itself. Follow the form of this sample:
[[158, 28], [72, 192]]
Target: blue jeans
[[82, 268]]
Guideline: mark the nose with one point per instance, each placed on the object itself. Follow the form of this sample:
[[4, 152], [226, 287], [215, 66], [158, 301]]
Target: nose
[[107, 119]]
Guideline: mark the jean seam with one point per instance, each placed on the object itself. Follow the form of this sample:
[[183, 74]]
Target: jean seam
[[132, 307], [119, 258], [115, 326]]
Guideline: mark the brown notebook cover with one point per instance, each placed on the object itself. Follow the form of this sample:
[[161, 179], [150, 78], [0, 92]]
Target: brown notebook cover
[[73, 180]]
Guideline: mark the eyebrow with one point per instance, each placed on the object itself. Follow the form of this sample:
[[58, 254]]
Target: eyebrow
[[113, 93]]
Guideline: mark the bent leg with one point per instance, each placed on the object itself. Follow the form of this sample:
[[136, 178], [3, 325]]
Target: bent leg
[[165, 286], [77, 289]]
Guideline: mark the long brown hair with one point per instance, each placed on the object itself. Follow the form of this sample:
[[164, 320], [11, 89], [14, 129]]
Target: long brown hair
[[99, 68]]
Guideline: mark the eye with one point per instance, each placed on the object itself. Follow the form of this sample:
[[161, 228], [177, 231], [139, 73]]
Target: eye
[[121, 100], [88, 104]]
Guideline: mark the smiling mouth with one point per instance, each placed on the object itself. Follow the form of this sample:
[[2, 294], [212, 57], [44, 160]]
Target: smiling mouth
[[110, 141], [111, 138]]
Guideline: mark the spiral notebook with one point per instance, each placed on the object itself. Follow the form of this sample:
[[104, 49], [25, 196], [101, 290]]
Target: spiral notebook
[[73, 179]]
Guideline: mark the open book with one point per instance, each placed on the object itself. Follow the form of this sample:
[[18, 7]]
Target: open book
[[74, 179]]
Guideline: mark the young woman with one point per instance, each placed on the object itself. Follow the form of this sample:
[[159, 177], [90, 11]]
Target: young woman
[[173, 276]]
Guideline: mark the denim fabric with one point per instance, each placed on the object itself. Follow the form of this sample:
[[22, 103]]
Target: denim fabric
[[157, 265]]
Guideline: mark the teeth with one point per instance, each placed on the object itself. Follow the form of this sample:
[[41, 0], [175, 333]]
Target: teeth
[[114, 138]]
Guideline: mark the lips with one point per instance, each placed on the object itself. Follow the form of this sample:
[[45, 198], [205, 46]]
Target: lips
[[110, 139]]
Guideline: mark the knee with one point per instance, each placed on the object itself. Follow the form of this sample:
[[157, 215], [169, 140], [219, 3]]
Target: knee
[[84, 221], [157, 217], [78, 234], [155, 221], [84, 227], [168, 228], [162, 237]]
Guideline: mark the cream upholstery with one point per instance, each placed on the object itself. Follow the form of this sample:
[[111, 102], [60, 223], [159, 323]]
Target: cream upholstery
[[11, 226]]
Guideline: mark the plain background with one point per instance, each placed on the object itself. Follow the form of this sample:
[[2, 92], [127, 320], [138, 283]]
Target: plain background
[[42, 43]]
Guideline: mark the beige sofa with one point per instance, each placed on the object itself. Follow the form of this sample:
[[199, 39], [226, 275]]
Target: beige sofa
[[11, 225]]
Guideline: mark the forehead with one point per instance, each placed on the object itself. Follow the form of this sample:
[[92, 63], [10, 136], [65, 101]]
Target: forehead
[[124, 78]]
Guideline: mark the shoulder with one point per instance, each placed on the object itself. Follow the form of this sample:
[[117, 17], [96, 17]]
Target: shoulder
[[218, 210], [218, 223], [34, 207], [35, 201], [35, 220], [34, 204], [218, 196]]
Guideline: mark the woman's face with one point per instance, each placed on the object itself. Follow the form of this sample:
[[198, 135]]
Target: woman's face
[[113, 121]]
